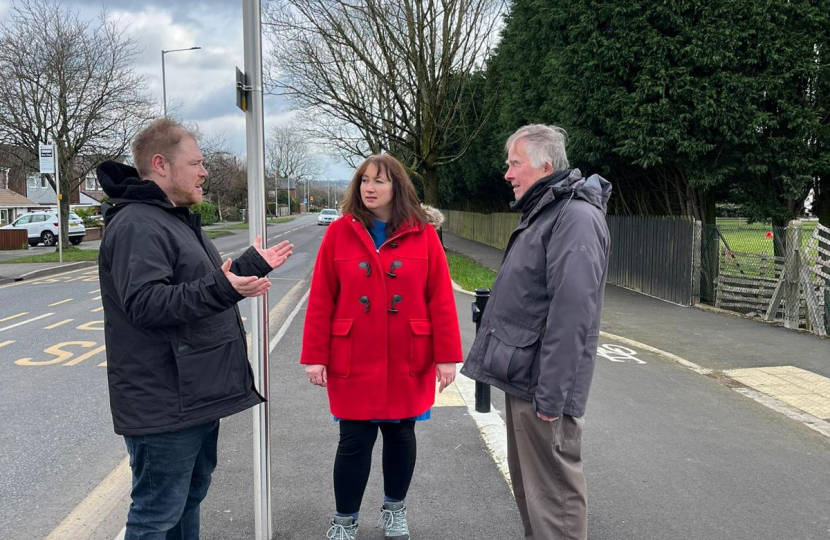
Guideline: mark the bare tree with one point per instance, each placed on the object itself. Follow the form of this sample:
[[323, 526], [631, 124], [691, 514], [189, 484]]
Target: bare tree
[[71, 82], [389, 75], [288, 154]]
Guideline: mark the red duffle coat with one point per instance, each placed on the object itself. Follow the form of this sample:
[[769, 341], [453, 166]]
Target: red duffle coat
[[380, 364]]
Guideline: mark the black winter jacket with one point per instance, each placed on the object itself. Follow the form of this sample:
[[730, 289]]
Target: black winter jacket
[[538, 335], [176, 350]]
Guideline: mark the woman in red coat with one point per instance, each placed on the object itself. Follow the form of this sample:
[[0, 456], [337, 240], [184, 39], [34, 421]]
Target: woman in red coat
[[381, 327]]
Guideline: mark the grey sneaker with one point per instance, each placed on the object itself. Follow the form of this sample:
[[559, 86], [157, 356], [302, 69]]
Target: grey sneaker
[[342, 528], [393, 519]]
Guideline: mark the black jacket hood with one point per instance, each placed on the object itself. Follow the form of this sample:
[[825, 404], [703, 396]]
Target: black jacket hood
[[123, 185]]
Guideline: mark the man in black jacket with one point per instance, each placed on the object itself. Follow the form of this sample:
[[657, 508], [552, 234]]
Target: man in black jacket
[[538, 335], [176, 352]]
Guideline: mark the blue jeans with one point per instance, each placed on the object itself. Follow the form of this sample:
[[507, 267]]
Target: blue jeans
[[171, 477]]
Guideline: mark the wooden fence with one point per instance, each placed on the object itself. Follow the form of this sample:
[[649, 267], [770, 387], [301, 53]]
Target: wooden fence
[[652, 255], [14, 239]]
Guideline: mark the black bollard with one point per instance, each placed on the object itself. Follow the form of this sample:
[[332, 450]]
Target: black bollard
[[482, 389]]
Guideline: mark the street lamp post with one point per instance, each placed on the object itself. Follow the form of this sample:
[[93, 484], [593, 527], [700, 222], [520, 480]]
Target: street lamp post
[[163, 75]]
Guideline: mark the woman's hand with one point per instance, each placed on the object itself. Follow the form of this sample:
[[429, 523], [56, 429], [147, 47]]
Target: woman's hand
[[445, 373], [316, 374]]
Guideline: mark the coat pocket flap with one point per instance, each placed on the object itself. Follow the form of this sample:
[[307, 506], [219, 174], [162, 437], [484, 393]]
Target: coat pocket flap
[[421, 327], [206, 338], [341, 327], [513, 334]]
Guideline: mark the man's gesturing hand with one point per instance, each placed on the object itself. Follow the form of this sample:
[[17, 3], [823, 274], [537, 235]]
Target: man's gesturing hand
[[276, 255], [249, 286]]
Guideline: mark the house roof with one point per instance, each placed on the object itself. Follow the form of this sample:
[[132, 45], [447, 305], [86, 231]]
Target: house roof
[[12, 198], [91, 198]]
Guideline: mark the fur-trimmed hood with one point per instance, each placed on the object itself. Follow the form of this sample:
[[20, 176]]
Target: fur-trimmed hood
[[434, 216]]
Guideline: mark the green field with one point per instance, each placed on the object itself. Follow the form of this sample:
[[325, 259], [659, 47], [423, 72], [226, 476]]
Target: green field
[[755, 237]]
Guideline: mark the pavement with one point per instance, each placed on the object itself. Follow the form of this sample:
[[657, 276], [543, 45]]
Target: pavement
[[670, 452], [788, 366], [694, 446]]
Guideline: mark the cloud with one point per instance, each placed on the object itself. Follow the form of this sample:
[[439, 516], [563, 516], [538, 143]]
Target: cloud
[[200, 83]]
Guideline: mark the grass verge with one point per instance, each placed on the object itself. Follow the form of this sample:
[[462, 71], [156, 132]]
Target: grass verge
[[285, 219], [469, 274], [217, 233], [69, 255], [234, 227]]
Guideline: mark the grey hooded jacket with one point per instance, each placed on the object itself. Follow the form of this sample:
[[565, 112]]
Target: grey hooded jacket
[[538, 335]]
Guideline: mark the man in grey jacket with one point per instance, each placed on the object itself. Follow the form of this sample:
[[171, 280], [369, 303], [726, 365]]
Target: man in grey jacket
[[538, 335]]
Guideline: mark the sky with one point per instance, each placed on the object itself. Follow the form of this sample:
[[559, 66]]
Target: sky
[[200, 83]]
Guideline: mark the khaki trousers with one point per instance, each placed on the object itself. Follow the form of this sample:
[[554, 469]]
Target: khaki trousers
[[545, 462]]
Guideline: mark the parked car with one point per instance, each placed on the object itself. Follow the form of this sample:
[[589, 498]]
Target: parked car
[[43, 227], [327, 215]]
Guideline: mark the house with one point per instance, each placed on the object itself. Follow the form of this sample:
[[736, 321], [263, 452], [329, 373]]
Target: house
[[12, 204], [88, 195], [21, 177]]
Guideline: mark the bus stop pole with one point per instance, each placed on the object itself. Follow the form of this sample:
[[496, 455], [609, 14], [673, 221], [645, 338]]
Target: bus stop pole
[[255, 139]]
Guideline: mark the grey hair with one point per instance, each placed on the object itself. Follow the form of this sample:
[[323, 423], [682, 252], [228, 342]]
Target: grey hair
[[542, 144]]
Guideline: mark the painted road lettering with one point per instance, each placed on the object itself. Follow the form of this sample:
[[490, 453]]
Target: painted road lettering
[[61, 354], [618, 353]]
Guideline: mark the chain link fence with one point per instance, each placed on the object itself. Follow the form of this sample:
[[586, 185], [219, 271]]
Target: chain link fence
[[775, 273]]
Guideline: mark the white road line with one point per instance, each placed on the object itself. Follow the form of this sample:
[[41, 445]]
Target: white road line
[[4, 343], [95, 291], [97, 298], [491, 426], [812, 422], [96, 310], [61, 302], [673, 357], [14, 316], [27, 321], [53, 326], [287, 323]]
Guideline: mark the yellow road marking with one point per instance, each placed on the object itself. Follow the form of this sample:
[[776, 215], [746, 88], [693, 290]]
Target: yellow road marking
[[450, 397], [53, 326], [797, 387], [92, 325], [14, 316], [4, 343], [96, 310], [83, 357], [104, 499], [56, 351], [39, 281], [61, 302]]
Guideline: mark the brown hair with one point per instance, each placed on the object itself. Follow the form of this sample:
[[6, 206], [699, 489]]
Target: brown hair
[[406, 208], [161, 136]]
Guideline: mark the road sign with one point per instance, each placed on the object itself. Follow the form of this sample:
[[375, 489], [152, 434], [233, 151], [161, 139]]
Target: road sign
[[46, 154], [242, 90]]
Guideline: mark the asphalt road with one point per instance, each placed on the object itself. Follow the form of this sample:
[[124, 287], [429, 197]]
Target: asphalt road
[[669, 453], [57, 439]]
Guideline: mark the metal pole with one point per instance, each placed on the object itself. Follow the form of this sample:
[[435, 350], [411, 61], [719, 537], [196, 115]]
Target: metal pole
[[163, 76], [288, 194], [482, 389], [255, 131], [163, 83], [58, 191]]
